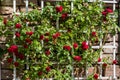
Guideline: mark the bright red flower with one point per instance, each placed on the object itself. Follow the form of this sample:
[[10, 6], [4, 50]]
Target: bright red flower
[[41, 37], [28, 40], [108, 10], [104, 64], [13, 49], [95, 76], [9, 60], [48, 68], [29, 33], [115, 62], [40, 73], [18, 25], [99, 59], [104, 13], [64, 16], [56, 35], [17, 34], [94, 34], [75, 45], [77, 58], [47, 52], [21, 56], [4, 21], [16, 64], [59, 8], [84, 45], [67, 47]]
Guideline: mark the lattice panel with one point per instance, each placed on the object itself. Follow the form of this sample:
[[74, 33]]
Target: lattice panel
[[113, 77]]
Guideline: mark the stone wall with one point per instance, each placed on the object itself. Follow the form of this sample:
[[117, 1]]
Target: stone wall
[[6, 10]]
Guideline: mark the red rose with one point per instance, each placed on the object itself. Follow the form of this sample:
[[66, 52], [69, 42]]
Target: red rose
[[17, 34], [77, 58], [18, 25], [4, 21], [67, 48], [21, 56], [104, 13], [75, 45], [28, 40], [95, 76], [99, 59], [104, 64], [41, 37], [9, 60], [48, 69], [16, 64], [64, 16], [13, 49], [56, 35], [29, 33], [115, 62], [39, 73], [85, 45], [47, 52], [46, 39], [94, 34], [59, 8], [108, 10]]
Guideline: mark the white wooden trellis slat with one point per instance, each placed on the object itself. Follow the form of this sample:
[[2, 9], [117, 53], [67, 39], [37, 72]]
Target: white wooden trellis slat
[[14, 57], [95, 47]]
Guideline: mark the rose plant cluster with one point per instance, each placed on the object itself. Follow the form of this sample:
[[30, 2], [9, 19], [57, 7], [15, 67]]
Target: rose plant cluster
[[37, 40]]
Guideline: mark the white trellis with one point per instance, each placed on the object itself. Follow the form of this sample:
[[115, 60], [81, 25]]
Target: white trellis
[[113, 2]]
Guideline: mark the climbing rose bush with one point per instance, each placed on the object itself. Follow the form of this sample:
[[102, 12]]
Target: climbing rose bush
[[56, 39]]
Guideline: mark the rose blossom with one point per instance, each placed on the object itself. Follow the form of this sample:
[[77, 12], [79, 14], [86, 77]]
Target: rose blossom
[[59, 8], [13, 49], [28, 40], [67, 47], [39, 73], [18, 25], [64, 16], [84, 45], [9, 60], [77, 58], [99, 59], [48, 69], [17, 34], [108, 10], [56, 35], [95, 76], [75, 45], [29, 33], [114, 62], [47, 52], [41, 37], [94, 34], [16, 64], [104, 64]]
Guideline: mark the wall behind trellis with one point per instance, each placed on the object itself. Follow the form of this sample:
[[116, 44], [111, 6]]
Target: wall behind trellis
[[6, 10]]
